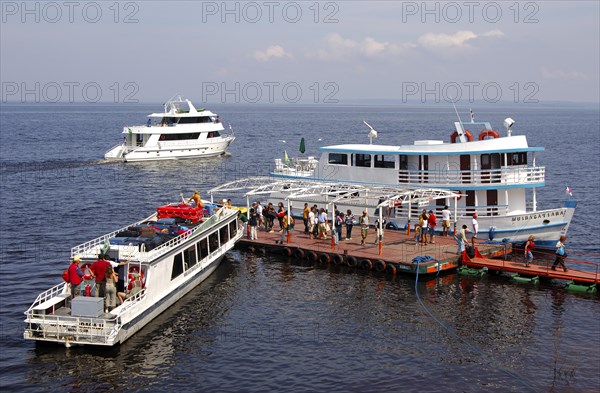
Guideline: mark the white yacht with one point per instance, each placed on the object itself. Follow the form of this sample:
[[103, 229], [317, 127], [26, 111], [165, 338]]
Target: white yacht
[[185, 246], [181, 131], [496, 177]]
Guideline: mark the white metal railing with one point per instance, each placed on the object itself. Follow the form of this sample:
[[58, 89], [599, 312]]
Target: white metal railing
[[91, 245], [47, 295], [506, 175]]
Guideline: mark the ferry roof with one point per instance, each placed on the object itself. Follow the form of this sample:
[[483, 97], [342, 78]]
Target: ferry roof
[[183, 114], [512, 144]]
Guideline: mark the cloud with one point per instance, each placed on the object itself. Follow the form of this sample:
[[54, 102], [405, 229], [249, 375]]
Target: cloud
[[559, 74], [458, 39], [338, 47], [273, 51]]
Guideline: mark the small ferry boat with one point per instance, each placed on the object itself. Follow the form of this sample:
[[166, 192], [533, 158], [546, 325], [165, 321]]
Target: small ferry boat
[[185, 245], [496, 177], [181, 131]]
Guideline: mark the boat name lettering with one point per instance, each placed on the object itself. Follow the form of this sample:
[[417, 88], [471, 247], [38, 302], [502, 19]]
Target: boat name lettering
[[535, 216]]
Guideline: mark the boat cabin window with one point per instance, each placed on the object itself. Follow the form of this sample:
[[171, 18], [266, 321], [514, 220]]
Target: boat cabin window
[[202, 248], [338, 158], [224, 234], [362, 160], [213, 241], [195, 120], [189, 257], [179, 137], [403, 161], [233, 228], [177, 266], [383, 161], [516, 158], [213, 134]]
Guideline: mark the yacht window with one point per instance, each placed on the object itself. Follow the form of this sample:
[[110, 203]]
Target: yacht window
[[196, 119], [338, 158], [177, 266], [362, 160], [383, 161], [213, 134], [179, 137], [168, 121]]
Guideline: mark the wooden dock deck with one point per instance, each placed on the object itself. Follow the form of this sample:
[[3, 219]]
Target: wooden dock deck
[[398, 251], [539, 270]]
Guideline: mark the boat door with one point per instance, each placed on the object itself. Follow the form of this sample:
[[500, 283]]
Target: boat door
[[492, 202], [465, 168]]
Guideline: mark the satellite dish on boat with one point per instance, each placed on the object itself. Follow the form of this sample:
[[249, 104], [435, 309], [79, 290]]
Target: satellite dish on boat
[[372, 134]]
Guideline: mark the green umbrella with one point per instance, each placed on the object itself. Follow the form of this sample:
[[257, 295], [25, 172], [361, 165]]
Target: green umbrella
[[302, 148]]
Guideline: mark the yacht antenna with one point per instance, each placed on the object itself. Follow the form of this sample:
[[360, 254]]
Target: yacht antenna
[[460, 130]]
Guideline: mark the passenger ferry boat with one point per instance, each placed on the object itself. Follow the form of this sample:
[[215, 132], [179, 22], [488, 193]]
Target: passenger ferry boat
[[496, 177], [181, 131], [188, 246]]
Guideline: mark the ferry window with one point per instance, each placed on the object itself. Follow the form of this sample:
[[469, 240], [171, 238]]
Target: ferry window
[[517, 158], [177, 266], [202, 247], [213, 134], [383, 161], [224, 232], [233, 228], [213, 241], [189, 257], [362, 160], [338, 158], [168, 121], [403, 162], [179, 137]]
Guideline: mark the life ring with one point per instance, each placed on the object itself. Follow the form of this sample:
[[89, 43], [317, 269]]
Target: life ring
[[324, 258], [162, 137], [299, 253], [488, 133], [338, 259], [366, 264], [311, 256], [467, 134], [380, 265], [351, 261], [391, 269]]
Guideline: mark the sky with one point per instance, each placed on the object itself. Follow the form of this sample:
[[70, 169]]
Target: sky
[[265, 52]]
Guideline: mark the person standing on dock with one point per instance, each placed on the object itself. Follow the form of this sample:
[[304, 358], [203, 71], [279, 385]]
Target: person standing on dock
[[475, 226], [445, 220], [259, 213], [561, 254], [364, 227], [323, 224], [431, 223], [288, 224], [349, 223], [339, 220], [252, 224], [461, 239], [305, 214], [529, 250], [424, 224]]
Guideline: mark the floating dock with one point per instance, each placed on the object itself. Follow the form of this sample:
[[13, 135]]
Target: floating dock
[[398, 252], [535, 269]]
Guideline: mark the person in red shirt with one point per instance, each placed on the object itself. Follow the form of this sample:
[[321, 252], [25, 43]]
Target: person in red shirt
[[75, 276], [98, 269], [432, 221]]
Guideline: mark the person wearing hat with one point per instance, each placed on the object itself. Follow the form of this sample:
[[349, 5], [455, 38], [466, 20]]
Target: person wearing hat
[[75, 276], [475, 226], [364, 227]]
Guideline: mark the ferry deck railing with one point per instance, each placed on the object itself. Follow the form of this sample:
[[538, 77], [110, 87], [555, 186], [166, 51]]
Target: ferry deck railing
[[506, 175]]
